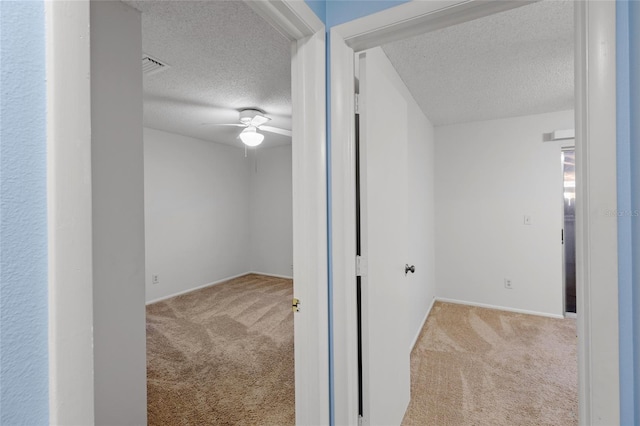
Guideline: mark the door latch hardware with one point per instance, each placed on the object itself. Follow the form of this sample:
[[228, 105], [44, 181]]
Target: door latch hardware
[[408, 269], [295, 306]]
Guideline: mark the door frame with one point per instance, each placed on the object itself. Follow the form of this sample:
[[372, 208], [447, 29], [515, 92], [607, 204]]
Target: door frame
[[596, 234], [69, 194]]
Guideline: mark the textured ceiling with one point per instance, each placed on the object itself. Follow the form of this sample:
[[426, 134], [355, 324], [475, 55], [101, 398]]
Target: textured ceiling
[[222, 57], [513, 63]]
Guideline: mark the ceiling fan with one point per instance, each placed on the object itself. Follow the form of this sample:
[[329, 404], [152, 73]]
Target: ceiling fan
[[253, 119]]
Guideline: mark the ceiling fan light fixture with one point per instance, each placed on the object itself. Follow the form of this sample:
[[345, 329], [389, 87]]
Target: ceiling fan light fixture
[[251, 137]]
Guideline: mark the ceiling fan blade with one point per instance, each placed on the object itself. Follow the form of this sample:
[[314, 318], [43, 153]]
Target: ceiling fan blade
[[259, 120], [223, 124], [277, 130]]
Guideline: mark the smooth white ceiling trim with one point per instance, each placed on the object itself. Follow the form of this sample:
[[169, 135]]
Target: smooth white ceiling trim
[[417, 17], [292, 19]]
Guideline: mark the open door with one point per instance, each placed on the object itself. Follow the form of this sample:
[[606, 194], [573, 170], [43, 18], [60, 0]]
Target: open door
[[383, 179]]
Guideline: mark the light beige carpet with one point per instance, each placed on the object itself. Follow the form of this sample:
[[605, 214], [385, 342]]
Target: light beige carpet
[[222, 355], [475, 366]]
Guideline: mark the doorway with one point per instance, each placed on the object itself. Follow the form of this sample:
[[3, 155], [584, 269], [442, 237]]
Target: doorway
[[492, 167], [592, 118], [569, 229], [86, 379]]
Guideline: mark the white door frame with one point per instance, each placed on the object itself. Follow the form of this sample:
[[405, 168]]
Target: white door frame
[[69, 192], [596, 233]]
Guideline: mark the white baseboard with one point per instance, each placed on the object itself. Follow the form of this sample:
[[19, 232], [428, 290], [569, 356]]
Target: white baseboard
[[424, 320], [270, 275], [500, 308], [160, 299]]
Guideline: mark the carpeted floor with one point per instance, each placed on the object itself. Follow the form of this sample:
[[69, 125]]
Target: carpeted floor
[[475, 366], [222, 355]]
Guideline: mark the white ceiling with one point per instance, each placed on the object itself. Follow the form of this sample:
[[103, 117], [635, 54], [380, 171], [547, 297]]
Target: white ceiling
[[223, 57], [513, 63]]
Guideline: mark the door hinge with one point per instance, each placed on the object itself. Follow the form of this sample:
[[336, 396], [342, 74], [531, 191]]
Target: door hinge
[[356, 104], [361, 266], [295, 305]]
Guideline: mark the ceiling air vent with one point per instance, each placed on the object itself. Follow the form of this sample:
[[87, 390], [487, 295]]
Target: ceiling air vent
[[151, 65]]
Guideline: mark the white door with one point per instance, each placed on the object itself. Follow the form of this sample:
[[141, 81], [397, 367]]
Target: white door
[[383, 224]]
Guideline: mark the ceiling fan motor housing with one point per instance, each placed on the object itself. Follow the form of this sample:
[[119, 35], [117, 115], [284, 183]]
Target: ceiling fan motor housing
[[247, 115]]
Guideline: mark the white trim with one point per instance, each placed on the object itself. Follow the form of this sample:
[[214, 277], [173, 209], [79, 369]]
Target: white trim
[[71, 389], [499, 308], [424, 321], [481, 305], [596, 234], [310, 276], [417, 17], [293, 19], [200, 287], [267, 274], [343, 193], [571, 315], [69, 213]]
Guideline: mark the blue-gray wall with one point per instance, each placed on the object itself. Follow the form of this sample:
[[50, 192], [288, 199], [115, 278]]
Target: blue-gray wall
[[628, 159], [23, 232], [625, 270], [633, 327], [341, 11], [628, 143]]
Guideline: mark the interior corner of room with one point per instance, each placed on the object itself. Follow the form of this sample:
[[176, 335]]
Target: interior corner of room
[[218, 213], [212, 214], [485, 178], [215, 209]]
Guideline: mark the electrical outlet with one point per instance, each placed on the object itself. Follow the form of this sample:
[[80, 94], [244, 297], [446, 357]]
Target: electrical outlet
[[507, 283], [155, 279]]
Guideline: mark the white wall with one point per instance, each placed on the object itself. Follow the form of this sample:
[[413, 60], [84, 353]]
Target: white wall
[[197, 212], [272, 211], [118, 215], [212, 213], [489, 175], [421, 169]]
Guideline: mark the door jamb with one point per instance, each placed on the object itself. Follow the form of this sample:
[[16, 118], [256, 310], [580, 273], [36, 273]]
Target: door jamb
[[596, 234], [71, 348]]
